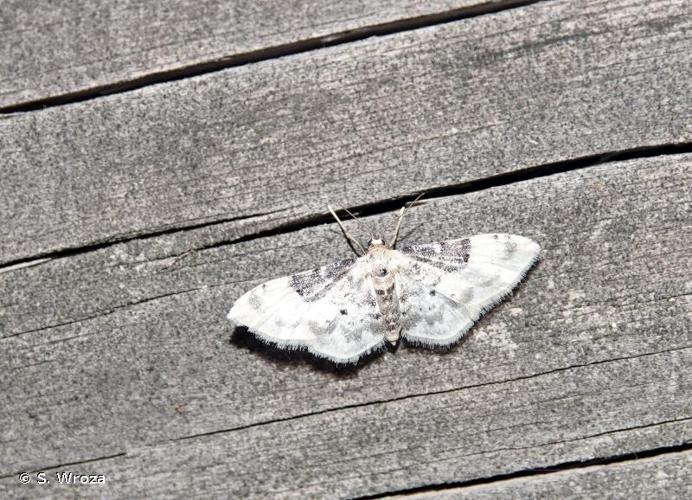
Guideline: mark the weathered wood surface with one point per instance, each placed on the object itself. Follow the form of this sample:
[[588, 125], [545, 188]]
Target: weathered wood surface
[[667, 476], [590, 358], [117, 358], [71, 46], [352, 124]]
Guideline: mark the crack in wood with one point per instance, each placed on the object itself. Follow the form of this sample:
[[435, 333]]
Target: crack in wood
[[94, 316], [395, 204], [363, 211], [284, 50], [539, 471], [425, 394], [41, 258]]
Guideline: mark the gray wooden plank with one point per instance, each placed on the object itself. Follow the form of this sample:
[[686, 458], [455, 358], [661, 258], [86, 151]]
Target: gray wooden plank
[[351, 124], [68, 46], [665, 476], [415, 441], [588, 359]]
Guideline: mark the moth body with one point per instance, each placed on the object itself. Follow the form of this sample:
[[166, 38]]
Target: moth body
[[383, 269]]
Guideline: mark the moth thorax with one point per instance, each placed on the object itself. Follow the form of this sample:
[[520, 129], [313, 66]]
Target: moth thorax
[[382, 278]]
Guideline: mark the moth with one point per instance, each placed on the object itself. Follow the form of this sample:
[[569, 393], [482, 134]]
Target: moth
[[429, 294]]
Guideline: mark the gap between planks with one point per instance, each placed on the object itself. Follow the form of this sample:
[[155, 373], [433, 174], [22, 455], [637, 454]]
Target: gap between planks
[[525, 474], [368, 209], [279, 51]]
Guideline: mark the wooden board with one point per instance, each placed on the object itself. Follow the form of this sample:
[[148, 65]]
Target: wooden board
[[140, 382], [666, 476], [132, 222], [76, 47], [271, 143]]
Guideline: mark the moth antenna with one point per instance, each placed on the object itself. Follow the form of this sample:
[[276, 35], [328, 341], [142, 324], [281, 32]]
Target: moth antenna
[[355, 244], [401, 216], [349, 213], [372, 236], [398, 226]]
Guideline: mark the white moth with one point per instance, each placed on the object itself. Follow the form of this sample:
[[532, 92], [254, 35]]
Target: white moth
[[431, 294]]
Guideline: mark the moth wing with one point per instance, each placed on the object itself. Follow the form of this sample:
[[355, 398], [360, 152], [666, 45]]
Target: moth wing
[[445, 287], [330, 311]]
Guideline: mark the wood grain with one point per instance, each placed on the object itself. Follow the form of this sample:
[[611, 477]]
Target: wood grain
[[588, 359], [72, 46], [273, 142]]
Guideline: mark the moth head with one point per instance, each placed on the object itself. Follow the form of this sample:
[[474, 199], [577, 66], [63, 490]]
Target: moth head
[[377, 242]]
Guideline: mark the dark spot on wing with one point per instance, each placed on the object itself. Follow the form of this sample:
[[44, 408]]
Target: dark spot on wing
[[445, 255], [344, 312], [313, 285], [432, 292]]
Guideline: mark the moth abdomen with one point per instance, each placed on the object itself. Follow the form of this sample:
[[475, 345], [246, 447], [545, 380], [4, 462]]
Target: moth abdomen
[[384, 283]]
